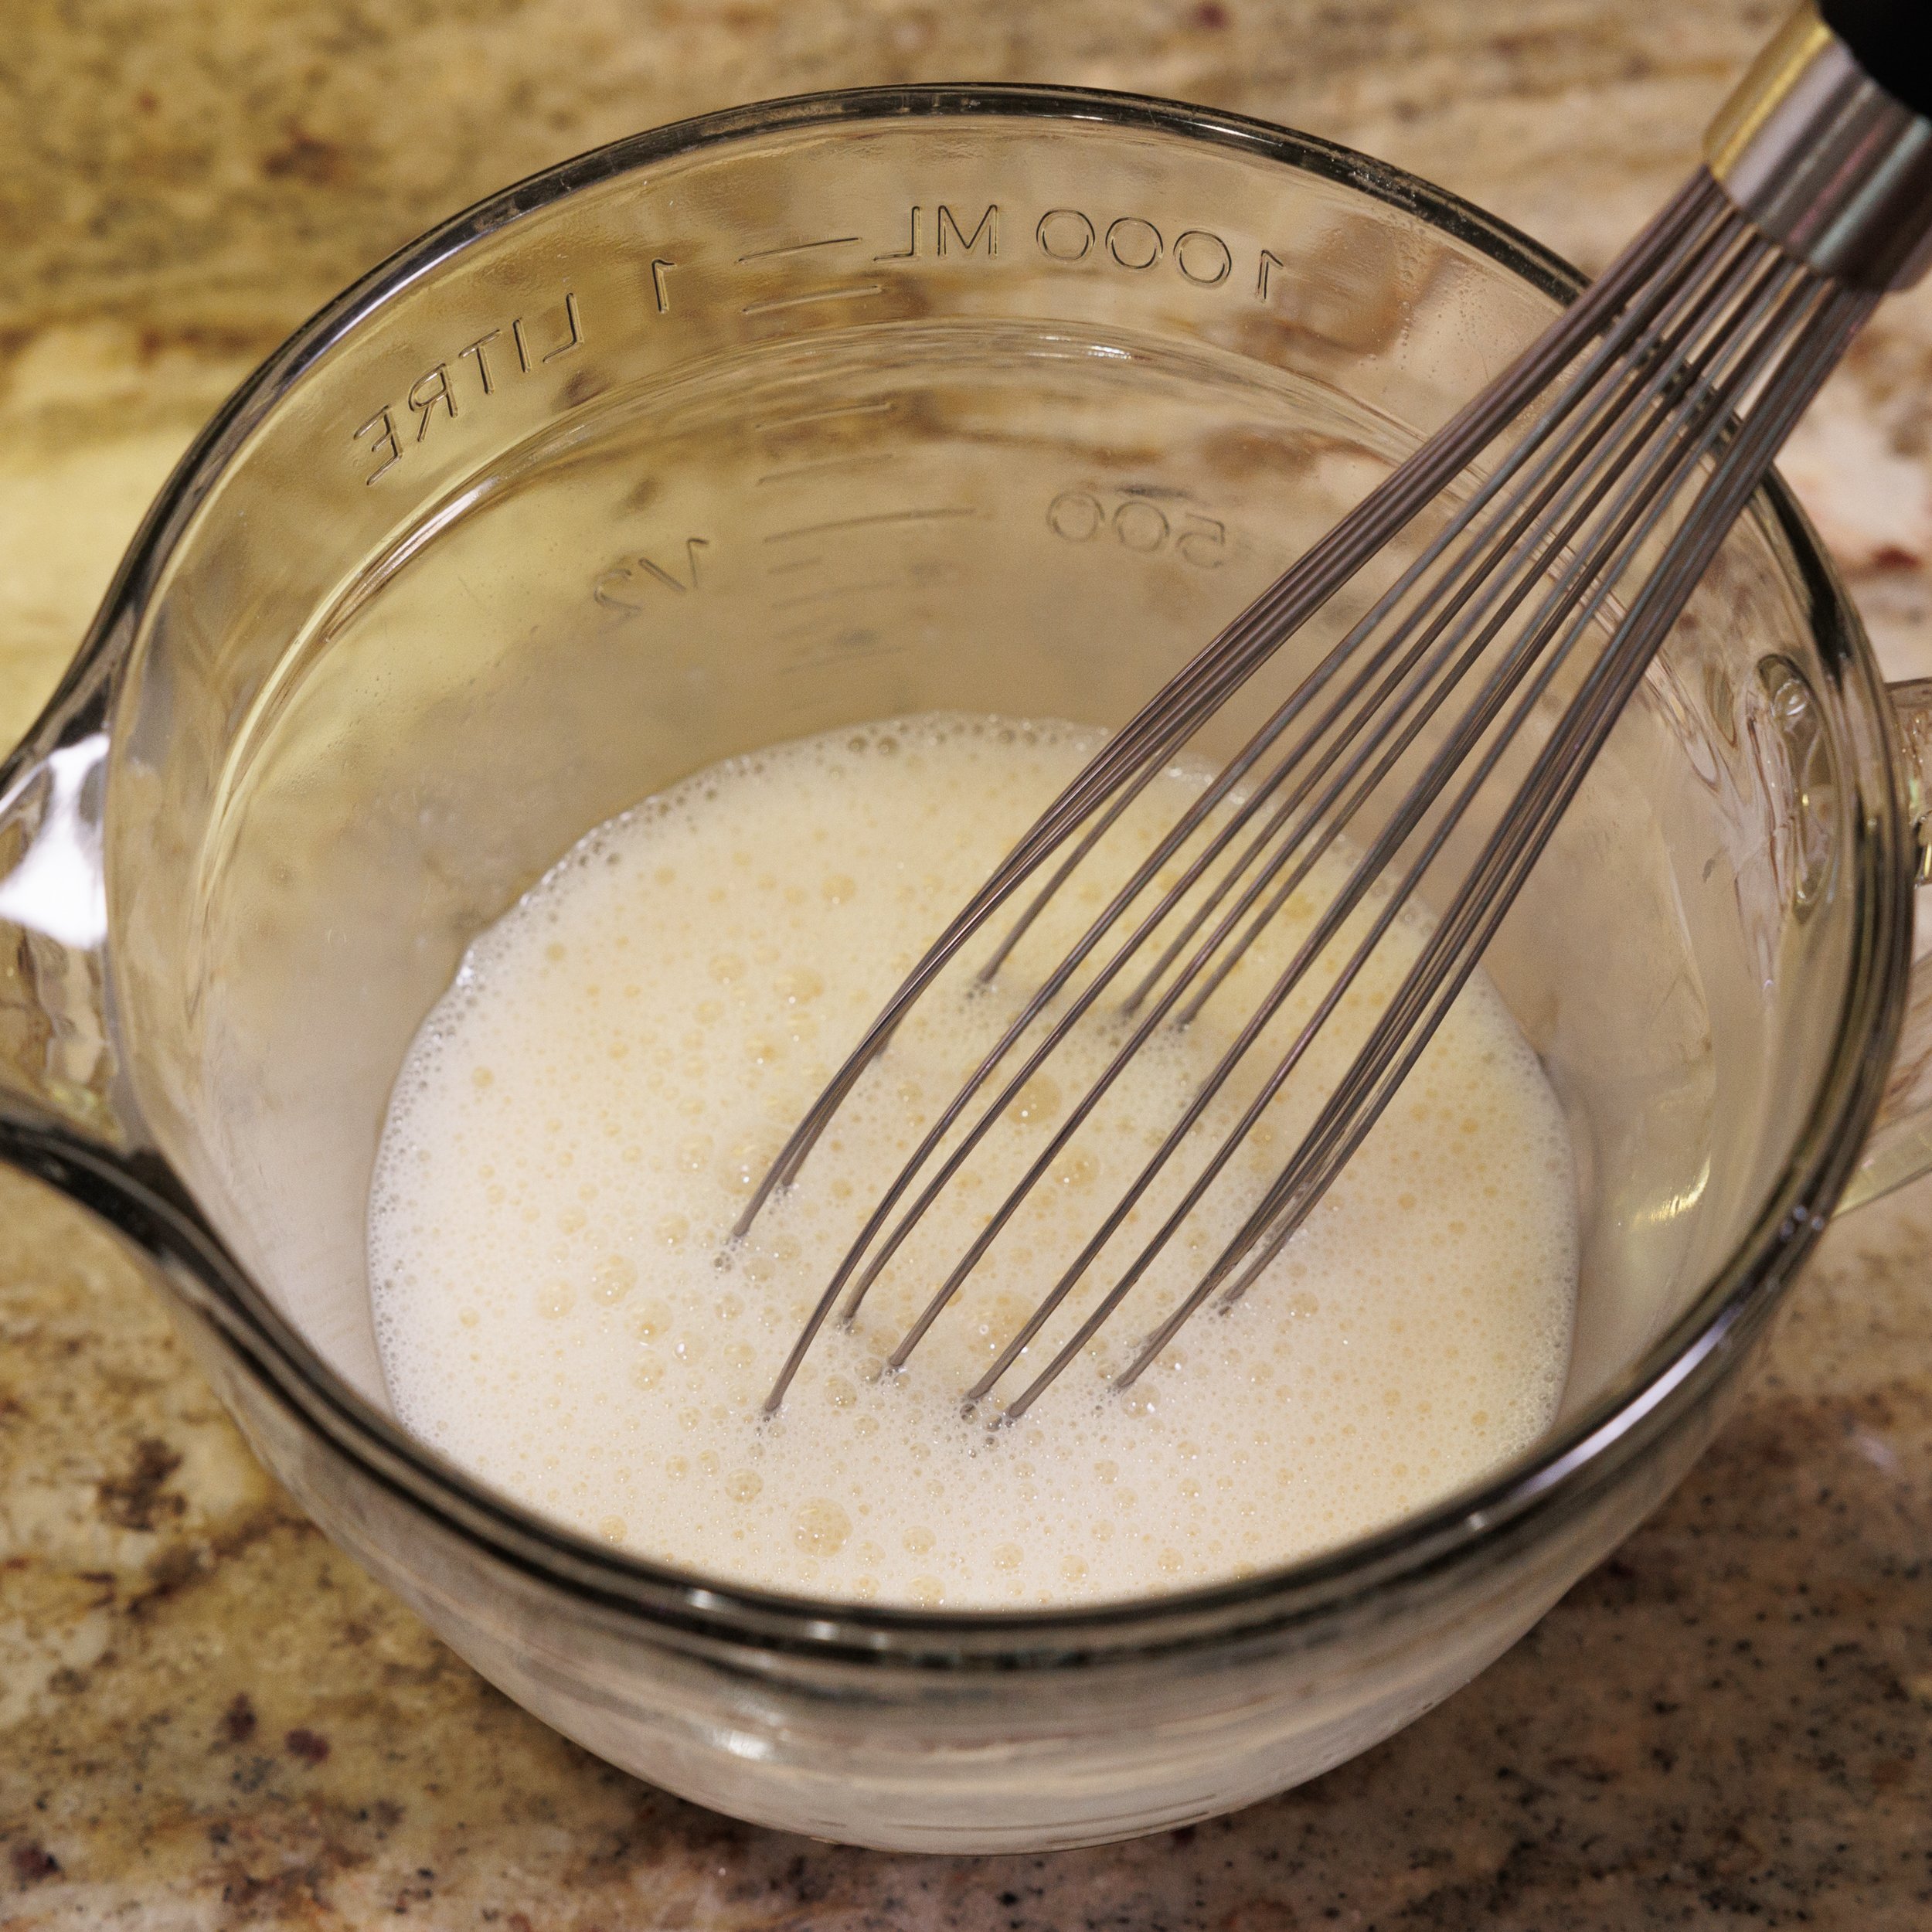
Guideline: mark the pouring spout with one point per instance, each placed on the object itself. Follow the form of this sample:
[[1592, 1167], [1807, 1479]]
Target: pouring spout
[[58, 1061]]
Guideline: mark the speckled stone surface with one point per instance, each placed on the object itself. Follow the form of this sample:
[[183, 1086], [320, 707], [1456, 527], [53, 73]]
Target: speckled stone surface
[[209, 1718]]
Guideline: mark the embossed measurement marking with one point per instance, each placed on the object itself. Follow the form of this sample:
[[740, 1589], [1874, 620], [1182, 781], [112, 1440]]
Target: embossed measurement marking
[[948, 234], [433, 392], [770, 425], [1138, 524], [795, 248], [1067, 235], [877, 519], [1133, 243], [609, 588], [473, 373], [938, 231], [856, 459], [854, 292]]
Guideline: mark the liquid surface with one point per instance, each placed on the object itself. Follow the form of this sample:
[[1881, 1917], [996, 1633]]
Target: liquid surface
[[581, 1119]]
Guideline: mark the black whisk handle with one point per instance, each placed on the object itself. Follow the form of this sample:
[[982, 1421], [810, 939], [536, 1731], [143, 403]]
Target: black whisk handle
[[1892, 41]]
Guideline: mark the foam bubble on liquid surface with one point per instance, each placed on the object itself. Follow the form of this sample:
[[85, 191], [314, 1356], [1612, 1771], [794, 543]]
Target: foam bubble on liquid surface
[[580, 1120]]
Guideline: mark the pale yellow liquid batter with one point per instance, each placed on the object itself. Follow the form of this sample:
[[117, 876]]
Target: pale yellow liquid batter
[[581, 1118]]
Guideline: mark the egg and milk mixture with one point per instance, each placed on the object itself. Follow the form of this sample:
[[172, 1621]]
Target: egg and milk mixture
[[579, 1124]]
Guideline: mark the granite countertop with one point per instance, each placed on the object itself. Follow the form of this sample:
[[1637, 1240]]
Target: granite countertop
[[209, 1718]]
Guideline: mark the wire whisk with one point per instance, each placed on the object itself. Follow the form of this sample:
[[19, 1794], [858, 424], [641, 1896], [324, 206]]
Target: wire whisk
[[1579, 500]]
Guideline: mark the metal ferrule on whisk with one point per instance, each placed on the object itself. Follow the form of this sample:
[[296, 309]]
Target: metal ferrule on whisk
[[1831, 166]]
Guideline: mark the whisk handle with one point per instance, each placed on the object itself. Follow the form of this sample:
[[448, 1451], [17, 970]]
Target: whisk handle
[[1831, 157], [1892, 40]]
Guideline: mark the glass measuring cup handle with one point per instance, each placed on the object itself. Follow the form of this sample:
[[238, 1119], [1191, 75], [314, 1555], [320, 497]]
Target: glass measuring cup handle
[[58, 1067], [1900, 1146]]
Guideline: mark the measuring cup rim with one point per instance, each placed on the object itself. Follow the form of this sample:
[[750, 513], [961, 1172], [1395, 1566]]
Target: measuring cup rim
[[1567, 1470]]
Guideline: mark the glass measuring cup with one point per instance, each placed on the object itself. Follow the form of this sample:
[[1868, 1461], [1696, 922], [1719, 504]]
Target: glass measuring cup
[[994, 399]]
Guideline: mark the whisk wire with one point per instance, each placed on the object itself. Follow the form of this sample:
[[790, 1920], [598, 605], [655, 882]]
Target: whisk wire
[[1679, 372], [1366, 874], [1147, 737], [1508, 570], [1699, 235], [1708, 400], [1338, 910], [1405, 1028], [1678, 258]]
